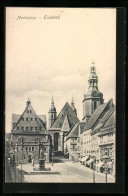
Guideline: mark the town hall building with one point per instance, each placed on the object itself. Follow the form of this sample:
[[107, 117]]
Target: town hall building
[[29, 136]]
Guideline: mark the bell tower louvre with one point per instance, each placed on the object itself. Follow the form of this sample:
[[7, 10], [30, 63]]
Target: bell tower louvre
[[93, 98]]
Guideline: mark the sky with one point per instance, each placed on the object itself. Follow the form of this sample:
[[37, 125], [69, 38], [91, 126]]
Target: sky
[[46, 57]]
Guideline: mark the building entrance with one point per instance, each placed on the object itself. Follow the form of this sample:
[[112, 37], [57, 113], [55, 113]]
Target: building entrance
[[29, 159]]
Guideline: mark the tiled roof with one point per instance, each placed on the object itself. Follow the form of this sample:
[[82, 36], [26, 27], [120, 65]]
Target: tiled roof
[[95, 116], [75, 130], [105, 118], [72, 117], [32, 115], [66, 126], [111, 120]]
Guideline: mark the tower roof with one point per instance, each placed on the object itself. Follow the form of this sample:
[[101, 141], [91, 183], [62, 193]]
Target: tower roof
[[52, 108]]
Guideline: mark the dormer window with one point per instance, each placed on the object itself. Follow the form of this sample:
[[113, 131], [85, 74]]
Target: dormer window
[[31, 119], [22, 119], [27, 111], [30, 111], [26, 119], [35, 119], [17, 128]]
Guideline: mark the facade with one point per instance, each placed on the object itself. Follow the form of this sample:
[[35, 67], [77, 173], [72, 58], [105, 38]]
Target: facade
[[61, 126], [93, 98], [103, 111], [29, 136], [106, 141], [72, 141]]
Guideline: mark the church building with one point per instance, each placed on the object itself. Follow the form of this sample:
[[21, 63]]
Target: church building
[[93, 98], [60, 125]]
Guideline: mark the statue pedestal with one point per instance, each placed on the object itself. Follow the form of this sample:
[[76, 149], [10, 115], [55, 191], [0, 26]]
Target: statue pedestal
[[41, 164]]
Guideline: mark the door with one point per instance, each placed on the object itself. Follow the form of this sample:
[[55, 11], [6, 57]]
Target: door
[[29, 159]]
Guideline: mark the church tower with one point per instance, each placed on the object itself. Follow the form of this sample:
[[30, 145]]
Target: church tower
[[72, 106], [93, 98], [52, 113]]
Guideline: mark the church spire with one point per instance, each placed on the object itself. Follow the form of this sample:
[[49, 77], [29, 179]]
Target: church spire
[[93, 78], [72, 105], [28, 102], [52, 102], [72, 102]]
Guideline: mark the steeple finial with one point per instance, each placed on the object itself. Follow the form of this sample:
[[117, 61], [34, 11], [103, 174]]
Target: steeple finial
[[28, 102], [72, 101], [52, 102]]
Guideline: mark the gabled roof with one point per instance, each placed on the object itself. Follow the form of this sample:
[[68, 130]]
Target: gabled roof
[[97, 113], [109, 125], [105, 118], [38, 123], [72, 117], [75, 130], [66, 126]]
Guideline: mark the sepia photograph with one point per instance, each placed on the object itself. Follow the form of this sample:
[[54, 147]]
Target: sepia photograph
[[60, 95]]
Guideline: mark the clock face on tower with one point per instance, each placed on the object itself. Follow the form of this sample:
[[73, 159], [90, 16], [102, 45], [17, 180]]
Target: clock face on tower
[[95, 94]]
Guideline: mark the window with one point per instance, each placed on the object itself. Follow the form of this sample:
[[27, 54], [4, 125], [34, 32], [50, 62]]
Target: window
[[27, 111], [24, 156], [62, 115], [17, 128], [31, 128], [26, 128], [29, 148], [22, 119], [30, 111], [35, 119], [26, 119], [35, 128], [95, 105], [66, 109], [45, 148], [52, 116], [87, 151], [32, 148], [22, 128], [31, 119], [26, 148], [70, 115], [60, 124]]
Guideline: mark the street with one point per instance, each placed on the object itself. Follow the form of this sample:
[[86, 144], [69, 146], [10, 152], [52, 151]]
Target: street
[[69, 173]]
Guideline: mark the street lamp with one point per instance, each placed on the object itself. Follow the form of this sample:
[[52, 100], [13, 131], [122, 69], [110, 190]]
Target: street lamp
[[52, 154], [105, 159]]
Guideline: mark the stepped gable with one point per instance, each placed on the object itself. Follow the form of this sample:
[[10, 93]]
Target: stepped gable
[[72, 117], [23, 123], [66, 125]]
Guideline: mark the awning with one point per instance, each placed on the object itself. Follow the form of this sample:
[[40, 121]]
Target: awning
[[90, 161], [84, 158], [100, 164]]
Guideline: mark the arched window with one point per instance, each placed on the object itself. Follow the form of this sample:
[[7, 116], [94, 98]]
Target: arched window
[[95, 105]]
